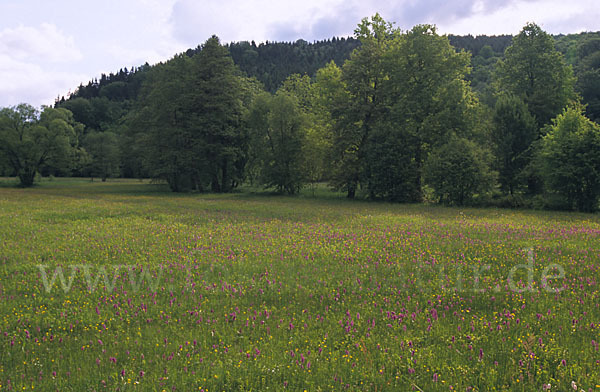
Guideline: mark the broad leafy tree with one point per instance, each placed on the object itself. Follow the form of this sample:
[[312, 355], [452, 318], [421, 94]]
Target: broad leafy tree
[[513, 132], [257, 122], [315, 144], [405, 93], [363, 75], [570, 159], [30, 140], [103, 148], [278, 134], [427, 99], [535, 71]]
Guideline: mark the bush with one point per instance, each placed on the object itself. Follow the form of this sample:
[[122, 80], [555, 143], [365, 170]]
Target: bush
[[510, 201], [550, 201]]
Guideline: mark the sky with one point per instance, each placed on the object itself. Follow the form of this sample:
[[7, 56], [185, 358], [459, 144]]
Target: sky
[[48, 48]]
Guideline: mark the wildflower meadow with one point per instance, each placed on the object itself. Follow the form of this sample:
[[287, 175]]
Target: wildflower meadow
[[122, 286]]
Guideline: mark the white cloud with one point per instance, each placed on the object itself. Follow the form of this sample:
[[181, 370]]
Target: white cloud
[[549, 14], [34, 64], [193, 22], [25, 82], [43, 44]]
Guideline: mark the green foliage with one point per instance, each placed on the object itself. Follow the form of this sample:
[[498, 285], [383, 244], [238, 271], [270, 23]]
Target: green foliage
[[188, 121], [278, 133], [588, 74], [317, 119], [362, 75], [535, 71], [427, 99], [481, 45], [458, 170], [334, 101], [160, 125], [512, 135], [103, 148], [393, 172], [426, 88], [400, 94], [217, 101], [30, 141], [570, 159], [273, 62], [345, 117], [588, 84], [257, 122], [300, 86], [82, 111], [382, 101], [366, 122]]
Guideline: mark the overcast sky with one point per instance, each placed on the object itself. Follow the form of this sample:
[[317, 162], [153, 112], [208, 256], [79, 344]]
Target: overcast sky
[[48, 48]]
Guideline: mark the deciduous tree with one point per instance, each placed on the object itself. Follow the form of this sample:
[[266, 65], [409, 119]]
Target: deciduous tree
[[103, 148], [533, 70], [570, 159], [30, 140], [512, 134], [278, 128], [363, 75]]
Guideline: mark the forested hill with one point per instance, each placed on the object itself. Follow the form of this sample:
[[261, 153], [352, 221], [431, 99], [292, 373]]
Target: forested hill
[[272, 62], [109, 98]]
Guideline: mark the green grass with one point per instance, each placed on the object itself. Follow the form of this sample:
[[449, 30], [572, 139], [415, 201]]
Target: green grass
[[243, 291]]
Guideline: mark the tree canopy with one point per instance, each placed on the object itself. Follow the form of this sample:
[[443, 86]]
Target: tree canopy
[[30, 140], [188, 121], [570, 156], [535, 71]]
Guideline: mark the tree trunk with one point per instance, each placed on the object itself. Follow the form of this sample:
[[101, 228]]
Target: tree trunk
[[26, 176], [351, 191], [224, 177], [214, 185]]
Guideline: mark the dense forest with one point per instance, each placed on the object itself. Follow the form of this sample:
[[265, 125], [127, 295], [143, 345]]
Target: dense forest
[[403, 116]]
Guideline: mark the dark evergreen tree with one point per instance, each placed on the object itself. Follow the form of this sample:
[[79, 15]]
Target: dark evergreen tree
[[189, 121]]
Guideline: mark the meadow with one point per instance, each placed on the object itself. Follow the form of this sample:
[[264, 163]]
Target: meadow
[[255, 292]]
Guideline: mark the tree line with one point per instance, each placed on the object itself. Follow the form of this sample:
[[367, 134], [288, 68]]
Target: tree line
[[394, 115]]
